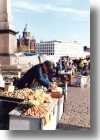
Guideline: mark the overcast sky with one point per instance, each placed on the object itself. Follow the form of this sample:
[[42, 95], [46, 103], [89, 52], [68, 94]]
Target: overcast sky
[[66, 20]]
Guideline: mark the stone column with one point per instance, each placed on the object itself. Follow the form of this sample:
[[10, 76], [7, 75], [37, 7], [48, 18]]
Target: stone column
[[8, 43], [5, 14]]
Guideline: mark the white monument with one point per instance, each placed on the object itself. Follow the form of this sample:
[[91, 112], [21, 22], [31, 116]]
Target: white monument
[[8, 42]]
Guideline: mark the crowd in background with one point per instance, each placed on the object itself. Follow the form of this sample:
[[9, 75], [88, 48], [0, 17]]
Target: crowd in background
[[76, 66]]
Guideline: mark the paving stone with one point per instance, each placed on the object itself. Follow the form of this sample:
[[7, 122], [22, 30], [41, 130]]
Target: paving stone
[[77, 109]]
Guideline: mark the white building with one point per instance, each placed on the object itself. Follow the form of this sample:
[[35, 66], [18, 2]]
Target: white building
[[58, 48], [46, 48]]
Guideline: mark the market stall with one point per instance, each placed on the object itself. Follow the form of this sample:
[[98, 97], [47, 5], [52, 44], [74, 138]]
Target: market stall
[[30, 109], [74, 80]]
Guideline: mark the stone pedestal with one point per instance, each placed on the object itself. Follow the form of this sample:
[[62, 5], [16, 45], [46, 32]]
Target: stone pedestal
[[8, 42], [7, 60], [8, 46]]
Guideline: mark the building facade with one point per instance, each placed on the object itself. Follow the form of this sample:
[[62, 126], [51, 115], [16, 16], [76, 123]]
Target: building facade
[[46, 48], [58, 48]]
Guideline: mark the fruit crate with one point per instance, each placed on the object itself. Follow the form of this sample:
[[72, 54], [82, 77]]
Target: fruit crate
[[18, 122]]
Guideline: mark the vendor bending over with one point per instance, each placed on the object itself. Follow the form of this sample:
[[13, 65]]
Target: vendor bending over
[[42, 73]]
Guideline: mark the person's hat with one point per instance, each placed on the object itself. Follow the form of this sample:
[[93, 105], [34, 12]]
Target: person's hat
[[48, 63]]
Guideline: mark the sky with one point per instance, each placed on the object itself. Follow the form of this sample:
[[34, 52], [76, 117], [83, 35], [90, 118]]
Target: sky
[[65, 20]]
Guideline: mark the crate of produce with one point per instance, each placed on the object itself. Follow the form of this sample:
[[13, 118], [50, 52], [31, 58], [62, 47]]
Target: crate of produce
[[60, 108], [18, 122], [52, 123], [16, 95], [7, 102], [21, 122]]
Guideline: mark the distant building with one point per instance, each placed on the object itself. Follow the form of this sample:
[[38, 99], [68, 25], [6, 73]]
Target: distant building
[[26, 42], [59, 48]]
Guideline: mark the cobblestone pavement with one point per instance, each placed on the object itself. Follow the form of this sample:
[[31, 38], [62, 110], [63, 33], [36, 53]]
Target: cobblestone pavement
[[77, 109]]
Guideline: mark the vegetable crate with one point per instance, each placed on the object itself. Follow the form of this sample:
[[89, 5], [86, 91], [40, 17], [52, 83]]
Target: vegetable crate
[[18, 122], [52, 122]]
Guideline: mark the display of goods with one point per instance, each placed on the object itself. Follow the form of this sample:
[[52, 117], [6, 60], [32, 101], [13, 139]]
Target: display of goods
[[23, 93], [36, 111], [57, 89], [56, 95], [37, 105], [37, 97], [7, 94]]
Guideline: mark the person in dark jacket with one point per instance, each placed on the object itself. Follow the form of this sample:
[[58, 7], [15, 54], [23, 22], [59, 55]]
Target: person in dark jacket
[[39, 73]]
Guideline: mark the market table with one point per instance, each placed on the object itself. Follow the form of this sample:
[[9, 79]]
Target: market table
[[11, 117], [66, 76], [74, 80]]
